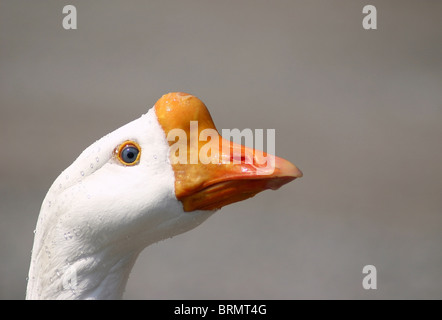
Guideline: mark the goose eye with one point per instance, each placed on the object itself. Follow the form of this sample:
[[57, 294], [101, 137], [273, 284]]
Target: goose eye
[[128, 153]]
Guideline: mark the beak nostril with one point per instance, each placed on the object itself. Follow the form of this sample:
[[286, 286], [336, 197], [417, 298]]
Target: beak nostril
[[238, 158], [255, 158]]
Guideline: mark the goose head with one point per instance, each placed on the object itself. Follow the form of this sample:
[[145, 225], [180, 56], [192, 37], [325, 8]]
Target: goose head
[[129, 190]]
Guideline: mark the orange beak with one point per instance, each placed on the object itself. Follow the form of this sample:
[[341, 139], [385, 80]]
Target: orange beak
[[229, 173]]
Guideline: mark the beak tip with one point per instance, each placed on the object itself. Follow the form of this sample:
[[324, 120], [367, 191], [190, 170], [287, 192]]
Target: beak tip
[[284, 172], [288, 169]]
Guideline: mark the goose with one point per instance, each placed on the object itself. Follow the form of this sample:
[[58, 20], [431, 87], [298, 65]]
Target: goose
[[124, 193]]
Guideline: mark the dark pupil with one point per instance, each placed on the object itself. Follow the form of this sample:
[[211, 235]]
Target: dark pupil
[[129, 154]]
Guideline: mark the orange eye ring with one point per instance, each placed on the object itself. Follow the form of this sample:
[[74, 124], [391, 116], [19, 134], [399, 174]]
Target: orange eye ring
[[128, 153]]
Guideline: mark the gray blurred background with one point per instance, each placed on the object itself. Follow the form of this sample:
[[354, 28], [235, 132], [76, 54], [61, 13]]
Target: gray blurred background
[[358, 111]]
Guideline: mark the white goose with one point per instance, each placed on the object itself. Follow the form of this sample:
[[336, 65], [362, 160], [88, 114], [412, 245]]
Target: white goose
[[123, 193]]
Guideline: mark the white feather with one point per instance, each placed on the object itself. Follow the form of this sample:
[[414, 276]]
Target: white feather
[[99, 215]]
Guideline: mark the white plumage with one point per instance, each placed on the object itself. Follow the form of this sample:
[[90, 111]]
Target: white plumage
[[99, 215]]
